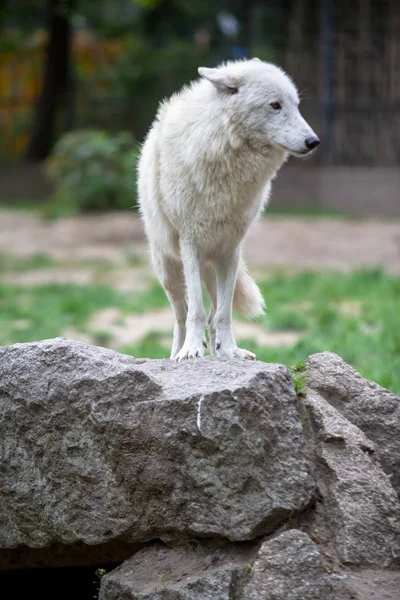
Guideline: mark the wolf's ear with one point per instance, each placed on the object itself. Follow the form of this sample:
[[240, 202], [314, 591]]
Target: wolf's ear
[[222, 82]]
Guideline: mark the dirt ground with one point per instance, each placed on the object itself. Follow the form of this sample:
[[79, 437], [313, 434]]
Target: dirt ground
[[288, 242]]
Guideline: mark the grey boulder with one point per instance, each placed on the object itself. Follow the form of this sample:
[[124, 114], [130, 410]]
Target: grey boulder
[[361, 508], [373, 409], [99, 447], [195, 572], [288, 567]]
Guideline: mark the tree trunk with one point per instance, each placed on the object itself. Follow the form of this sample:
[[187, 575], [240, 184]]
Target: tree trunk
[[56, 78]]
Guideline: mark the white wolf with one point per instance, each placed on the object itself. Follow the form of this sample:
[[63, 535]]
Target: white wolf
[[204, 177]]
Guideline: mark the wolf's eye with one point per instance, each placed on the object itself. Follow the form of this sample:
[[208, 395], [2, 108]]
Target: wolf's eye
[[276, 105]]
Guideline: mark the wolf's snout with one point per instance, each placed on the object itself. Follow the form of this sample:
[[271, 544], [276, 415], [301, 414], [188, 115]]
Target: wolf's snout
[[312, 142]]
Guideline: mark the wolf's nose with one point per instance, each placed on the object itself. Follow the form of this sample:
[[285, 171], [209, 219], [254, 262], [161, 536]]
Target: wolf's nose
[[312, 142]]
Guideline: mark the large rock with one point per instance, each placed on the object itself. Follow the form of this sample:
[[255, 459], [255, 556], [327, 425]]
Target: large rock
[[361, 508], [99, 447], [373, 409], [194, 572], [288, 567]]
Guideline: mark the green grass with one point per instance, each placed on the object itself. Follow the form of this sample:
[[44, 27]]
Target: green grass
[[150, 346], [39, 312], [12, 263], [369, 339], [299, 377], [355, 315]]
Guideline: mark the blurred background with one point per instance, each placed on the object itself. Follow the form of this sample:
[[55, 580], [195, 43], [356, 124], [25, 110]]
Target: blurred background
[[80, 82]]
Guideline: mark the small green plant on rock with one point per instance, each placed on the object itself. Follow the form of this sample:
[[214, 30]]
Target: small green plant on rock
[[99, 573], [299, 378]]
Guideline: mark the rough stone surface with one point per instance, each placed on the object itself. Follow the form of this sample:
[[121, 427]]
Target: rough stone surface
[[289, 567], [373, 409], [101, 455], [188, 573], [97, 446], [370, 584], [361, 507]]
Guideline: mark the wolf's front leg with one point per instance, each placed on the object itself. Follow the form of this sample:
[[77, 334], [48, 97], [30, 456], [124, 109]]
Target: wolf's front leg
[[196, 317], [226, 270]]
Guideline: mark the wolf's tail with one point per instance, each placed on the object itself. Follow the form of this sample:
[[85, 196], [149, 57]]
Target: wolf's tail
[[247, 299]]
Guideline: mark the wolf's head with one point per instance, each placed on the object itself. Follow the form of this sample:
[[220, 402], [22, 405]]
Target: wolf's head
[[263, 103]]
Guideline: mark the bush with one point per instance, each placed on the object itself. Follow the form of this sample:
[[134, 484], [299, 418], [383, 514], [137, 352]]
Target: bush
[[94, 171]]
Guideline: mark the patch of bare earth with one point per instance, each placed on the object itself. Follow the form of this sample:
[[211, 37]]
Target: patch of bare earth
[[102, 236], [285, 242], [310, 243]]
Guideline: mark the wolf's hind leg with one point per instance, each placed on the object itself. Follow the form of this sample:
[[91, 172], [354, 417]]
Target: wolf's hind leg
[[170, 274]]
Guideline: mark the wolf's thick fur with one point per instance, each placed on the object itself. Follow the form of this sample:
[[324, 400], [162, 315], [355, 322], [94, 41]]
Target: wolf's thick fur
[[205, 174]]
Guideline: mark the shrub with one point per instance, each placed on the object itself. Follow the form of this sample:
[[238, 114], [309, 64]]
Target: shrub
[[94, 170]]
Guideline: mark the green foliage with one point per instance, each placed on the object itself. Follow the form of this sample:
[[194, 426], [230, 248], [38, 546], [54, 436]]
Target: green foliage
[[10, 263], [299, 378], [99, 573], [94, 170]]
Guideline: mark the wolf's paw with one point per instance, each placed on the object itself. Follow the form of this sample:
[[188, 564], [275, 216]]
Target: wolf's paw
[[189, 351], [243, 354], [235, 353]]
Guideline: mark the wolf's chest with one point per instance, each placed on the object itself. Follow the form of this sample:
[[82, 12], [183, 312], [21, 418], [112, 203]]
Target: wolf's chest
[[223, 224]]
